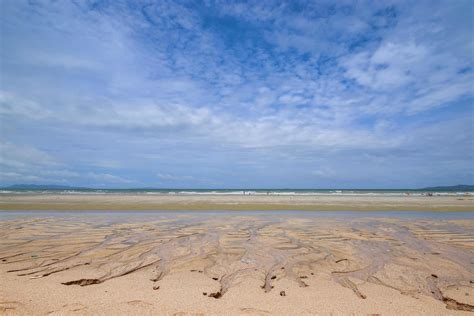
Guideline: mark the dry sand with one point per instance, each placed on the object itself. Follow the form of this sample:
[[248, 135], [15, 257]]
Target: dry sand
[[235, 202], [234, 264]]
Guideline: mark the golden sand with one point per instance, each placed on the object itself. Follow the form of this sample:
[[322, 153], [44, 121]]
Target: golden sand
[[235, 202], [234, 264]]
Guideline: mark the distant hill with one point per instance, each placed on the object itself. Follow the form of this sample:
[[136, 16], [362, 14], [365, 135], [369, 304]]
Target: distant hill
[[459, 187], [40, 187]]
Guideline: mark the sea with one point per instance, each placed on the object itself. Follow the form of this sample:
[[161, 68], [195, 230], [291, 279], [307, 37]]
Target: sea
[[145, 191]]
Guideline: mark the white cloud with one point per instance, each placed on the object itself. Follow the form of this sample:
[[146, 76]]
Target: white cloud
[[19, 157], [108, 178], [174, 178], [24, 164]]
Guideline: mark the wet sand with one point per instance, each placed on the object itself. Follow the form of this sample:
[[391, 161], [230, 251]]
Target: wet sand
[[235, 202], [230, 263]]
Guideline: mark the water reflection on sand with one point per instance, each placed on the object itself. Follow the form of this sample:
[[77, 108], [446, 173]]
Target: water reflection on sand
[[415, 254]]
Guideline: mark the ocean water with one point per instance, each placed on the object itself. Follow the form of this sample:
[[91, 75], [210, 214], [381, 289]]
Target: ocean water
[[349, 192]]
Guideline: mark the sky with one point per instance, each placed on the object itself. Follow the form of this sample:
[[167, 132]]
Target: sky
[[223, 94]]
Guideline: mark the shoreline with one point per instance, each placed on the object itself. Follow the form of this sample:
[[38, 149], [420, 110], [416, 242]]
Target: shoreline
[[187, 202]]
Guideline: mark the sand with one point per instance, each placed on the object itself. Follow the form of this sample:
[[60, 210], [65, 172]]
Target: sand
[[234, 264], [235, 202]]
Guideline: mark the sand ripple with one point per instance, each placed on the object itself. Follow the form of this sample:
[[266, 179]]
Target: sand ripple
[[422, 258]]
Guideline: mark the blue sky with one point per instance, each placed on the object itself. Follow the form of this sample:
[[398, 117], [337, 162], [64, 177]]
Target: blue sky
[[221, 94]]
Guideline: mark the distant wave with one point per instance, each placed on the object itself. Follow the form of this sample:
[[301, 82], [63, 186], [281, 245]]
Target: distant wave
[[283, 192]]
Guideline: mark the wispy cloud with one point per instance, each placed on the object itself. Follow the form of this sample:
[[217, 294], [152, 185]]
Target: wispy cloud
[[169, 177]]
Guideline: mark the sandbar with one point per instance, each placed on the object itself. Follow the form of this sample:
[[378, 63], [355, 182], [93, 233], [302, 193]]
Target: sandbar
[[234, 202]]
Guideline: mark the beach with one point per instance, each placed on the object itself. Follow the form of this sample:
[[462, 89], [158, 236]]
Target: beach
[[131, 201], [236, 263], [86, 253], [201, 158]]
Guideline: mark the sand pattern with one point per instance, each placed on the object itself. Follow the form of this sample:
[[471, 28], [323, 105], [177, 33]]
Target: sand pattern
[[186, 202], [415, 258]]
